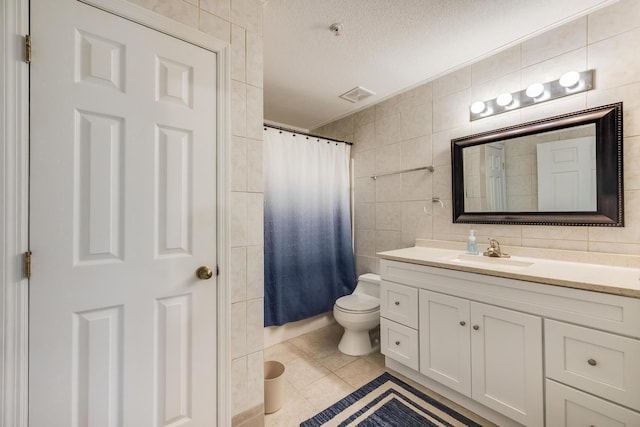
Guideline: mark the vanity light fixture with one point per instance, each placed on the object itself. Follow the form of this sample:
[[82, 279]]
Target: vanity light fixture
[[478, 107], [535, 90], [569, 83], [569, 79], [504, 99]]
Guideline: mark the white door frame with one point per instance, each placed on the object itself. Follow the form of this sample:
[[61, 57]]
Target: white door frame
[[14, 198]]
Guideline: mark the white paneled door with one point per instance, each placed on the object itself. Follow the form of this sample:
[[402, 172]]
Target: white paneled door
[[123, 143]]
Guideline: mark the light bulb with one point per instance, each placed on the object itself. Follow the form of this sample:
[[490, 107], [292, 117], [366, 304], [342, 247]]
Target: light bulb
[[477, 107], [504, 99], [535, 90], [569, 79]]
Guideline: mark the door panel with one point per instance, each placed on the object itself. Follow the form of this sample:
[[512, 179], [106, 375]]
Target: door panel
[[445, 346], [123, 130], [507, 362]]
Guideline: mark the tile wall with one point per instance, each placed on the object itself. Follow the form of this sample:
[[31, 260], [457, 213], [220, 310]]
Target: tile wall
[[239, 22], [414, 128]]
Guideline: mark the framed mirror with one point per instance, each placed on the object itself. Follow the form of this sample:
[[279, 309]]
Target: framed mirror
[[564, 170]]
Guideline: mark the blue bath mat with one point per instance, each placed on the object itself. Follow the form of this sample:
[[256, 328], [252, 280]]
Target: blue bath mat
[[388, 402]]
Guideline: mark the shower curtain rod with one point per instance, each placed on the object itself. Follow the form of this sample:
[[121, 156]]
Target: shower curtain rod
[[308, 135]]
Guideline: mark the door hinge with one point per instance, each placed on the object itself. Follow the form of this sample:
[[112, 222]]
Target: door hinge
[[27, 49], [27, 264]]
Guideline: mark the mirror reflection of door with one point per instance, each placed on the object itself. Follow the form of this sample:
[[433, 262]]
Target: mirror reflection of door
[[495, 177], [567, 175]]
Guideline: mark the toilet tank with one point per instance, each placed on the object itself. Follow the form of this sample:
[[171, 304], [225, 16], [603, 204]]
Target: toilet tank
[[368, 284]]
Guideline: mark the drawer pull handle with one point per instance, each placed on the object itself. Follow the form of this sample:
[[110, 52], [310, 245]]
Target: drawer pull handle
[[397, 342], [462, 323], [592, 362], [476, 327], [397, 302]]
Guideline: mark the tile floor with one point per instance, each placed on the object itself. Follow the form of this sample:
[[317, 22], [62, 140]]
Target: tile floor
[[317, 375]]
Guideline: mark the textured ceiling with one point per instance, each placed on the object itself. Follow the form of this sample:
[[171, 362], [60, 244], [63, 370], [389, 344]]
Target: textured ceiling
[[386, 46]]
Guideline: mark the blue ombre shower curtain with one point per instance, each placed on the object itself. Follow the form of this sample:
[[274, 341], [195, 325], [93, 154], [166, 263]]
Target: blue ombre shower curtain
[[307, 226]]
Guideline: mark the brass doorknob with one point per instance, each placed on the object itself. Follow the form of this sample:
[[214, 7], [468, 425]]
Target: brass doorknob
[[204, 272]]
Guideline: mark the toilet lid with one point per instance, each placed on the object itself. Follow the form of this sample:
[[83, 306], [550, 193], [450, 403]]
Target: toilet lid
[[358, 303]]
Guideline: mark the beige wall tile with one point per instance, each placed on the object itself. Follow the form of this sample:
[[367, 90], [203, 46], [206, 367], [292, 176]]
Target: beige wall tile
[[177, 10], [364, 164], [253, 11], [255, 219], [238, 164], [219, 8], [615, 19], [552, 69], [238, 219], [388, 240], [238, 274], [366, 264], [389, 216], [566, 38], [255, 115], [238, 329], [616, 60], [255, 325], [416, 121], [415, 185], [388, 188], [416, 223], [365, 242], [237, 12], [238, 53], [365, 216], [255, 378], [492, 88], [364, 117], [239, 385], [215, 26], [387, 129], [629, 95], [255, 272], [420, 96], [255, 59], [386, 108], [505, 62], [238, 108], [452, 83], [416, 152], [365, 190], [388, 159], [451, 111], [365, 137], [255, 180], [632, 163]]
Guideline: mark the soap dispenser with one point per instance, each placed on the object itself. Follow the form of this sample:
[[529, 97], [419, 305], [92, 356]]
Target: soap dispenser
[[472, 246]]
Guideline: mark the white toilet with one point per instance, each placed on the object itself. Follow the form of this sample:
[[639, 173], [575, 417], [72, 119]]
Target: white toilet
[[358, 313]]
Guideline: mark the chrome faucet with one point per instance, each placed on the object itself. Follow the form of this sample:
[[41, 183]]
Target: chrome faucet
[[494, 250]]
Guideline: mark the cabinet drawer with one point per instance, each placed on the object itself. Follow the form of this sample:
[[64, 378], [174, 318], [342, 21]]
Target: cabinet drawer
[[597, 362], [399, 303], [572, 408], [399, 343]]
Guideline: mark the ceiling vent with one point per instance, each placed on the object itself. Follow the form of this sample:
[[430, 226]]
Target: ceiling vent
[[356, 94]]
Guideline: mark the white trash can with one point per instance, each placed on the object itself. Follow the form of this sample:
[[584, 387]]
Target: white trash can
[[273, 386]]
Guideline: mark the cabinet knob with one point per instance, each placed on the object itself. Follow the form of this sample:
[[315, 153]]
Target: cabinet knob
[[592, 362], [397, 303], [462, 323], [476, 327], [397, 342]]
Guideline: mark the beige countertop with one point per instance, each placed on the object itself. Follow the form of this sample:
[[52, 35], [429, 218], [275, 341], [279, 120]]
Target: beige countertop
[[591, 277]]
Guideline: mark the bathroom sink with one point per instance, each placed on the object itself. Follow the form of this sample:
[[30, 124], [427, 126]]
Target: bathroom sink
[[488, 261]]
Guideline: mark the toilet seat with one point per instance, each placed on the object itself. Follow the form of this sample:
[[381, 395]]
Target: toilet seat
[[358, 304]]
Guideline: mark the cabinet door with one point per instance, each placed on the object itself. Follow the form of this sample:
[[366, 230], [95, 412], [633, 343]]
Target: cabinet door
[[507, 362], [445, 346], [572, 408]]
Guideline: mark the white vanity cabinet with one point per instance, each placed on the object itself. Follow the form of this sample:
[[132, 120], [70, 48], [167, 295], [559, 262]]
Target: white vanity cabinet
[[488, 353], [399, 323], [517, 352]]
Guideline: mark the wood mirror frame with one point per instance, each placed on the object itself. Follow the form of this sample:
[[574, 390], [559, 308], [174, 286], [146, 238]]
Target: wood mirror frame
[[609, 170]]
